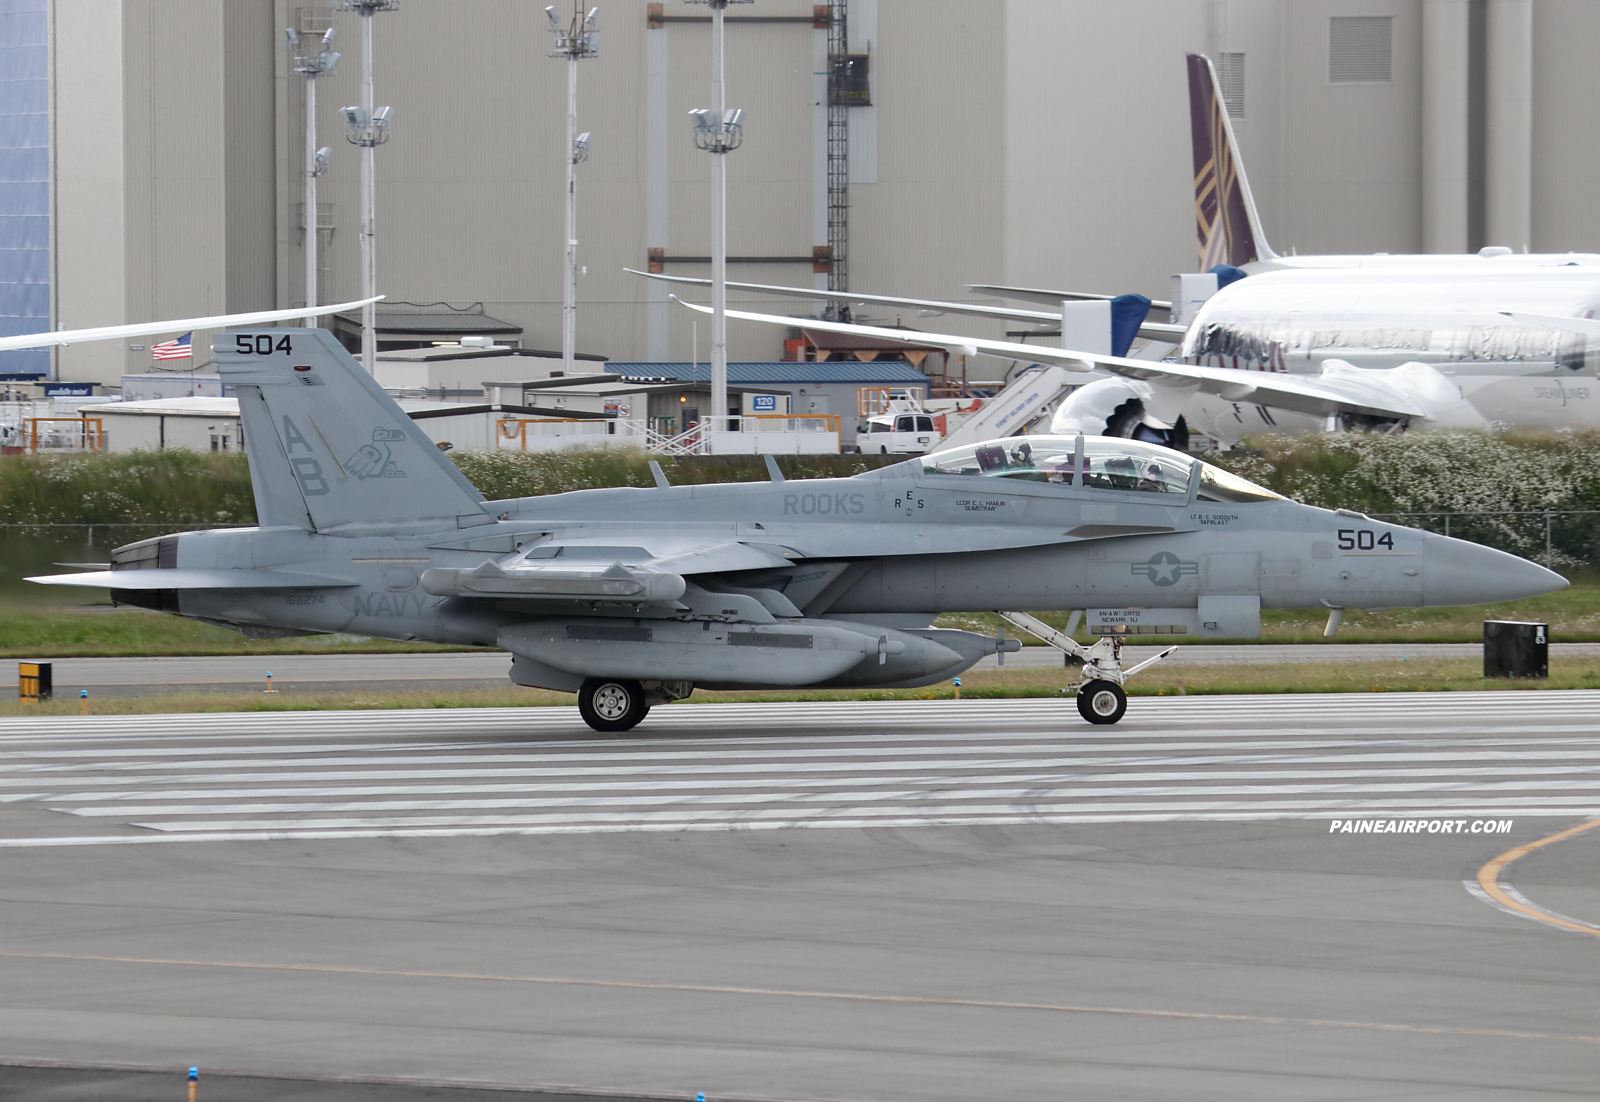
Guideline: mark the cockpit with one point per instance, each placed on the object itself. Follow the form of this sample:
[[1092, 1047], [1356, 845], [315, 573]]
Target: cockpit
[[1096, 463]]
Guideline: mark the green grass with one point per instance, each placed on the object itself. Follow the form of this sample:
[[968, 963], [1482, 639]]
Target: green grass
[[1443, 675]]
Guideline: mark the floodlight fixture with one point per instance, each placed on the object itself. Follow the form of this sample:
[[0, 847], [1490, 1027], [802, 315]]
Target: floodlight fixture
[[319, 163], [365, 131], [580, 148], [577, 39], [306, 63]]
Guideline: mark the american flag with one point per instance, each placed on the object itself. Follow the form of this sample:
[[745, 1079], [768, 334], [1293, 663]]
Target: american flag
[[180, 349]]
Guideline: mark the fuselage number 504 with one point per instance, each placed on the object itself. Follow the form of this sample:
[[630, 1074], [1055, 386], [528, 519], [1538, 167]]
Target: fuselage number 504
[[261, 344], [1364, 539]]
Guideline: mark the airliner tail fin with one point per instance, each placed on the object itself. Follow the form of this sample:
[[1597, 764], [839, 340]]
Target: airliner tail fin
[[1226, 219]]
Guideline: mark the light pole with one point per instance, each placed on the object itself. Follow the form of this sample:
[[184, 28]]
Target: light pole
[[718, 131], [368, 128], [311, 66], [579, 40]]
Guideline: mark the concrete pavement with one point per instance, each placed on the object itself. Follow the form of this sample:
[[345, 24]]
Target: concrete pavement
[[909, 900]]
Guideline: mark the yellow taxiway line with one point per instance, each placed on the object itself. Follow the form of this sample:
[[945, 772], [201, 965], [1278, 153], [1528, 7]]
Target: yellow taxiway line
[[1489, 881]]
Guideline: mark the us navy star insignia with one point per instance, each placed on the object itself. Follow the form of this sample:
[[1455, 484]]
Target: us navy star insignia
[[1165, 568]]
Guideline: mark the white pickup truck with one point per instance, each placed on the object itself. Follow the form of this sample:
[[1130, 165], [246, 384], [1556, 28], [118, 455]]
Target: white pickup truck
[[898, 434]]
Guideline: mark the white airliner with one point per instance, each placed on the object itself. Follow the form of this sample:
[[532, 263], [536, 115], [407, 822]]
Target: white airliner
[[1297, 343]]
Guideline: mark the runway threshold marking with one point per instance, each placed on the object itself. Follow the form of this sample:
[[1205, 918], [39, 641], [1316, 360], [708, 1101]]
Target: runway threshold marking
[[833, 996], [1508, 898]]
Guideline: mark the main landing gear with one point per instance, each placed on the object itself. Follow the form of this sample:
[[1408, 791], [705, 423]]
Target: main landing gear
[[612, 704], [1101, 699]]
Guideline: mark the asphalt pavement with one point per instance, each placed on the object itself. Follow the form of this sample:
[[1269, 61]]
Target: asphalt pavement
[[922, 900]]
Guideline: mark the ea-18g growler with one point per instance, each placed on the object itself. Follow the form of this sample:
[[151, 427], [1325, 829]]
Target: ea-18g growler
[[633, 597]]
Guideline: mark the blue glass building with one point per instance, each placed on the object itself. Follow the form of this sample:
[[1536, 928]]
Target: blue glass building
[[24, 180]]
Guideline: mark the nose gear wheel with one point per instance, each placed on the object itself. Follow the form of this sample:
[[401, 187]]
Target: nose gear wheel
[[1102, 702]]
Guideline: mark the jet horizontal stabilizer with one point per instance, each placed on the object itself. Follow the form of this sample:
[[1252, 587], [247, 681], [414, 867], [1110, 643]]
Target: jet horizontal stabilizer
[[192, 579]]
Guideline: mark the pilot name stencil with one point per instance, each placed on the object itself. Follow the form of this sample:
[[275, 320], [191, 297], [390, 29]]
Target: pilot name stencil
[[976, 505], [1165, 568], [1214, 518], [824, 504]]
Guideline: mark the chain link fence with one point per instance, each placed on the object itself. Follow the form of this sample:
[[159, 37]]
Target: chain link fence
[[1556, 537]]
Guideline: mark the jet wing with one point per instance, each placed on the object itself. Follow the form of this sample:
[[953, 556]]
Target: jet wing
[[192, 579], [1154, 331], [154, 328], [1317, 395], [1041, 294]]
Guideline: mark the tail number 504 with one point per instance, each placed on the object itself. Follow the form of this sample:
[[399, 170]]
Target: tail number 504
[[260, 344], [1364, 539]]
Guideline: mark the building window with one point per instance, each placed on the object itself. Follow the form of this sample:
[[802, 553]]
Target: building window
[[220, 441], [1361, 49], [1230, 75]]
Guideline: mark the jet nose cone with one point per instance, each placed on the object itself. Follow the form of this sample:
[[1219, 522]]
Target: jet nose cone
[[1455, 572]]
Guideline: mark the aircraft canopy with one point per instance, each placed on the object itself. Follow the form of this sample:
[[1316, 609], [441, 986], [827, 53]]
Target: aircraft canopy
[[1106, 463]]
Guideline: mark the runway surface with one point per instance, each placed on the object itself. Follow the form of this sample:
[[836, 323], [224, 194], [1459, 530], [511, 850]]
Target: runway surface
[[256, 776], [900, 900], [487, 669]]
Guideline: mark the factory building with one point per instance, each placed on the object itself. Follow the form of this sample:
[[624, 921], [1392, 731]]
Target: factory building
[[1038, 143]]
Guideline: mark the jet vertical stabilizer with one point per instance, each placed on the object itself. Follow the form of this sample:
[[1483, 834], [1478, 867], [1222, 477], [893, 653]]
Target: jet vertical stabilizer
[[328, 448], [1226, 218]]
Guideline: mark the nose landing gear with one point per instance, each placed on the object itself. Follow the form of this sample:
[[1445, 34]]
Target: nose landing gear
[[1101, 699]]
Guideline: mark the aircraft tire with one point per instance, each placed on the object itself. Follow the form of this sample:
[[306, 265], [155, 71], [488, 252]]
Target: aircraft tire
[[1102, 702], [612, 704]]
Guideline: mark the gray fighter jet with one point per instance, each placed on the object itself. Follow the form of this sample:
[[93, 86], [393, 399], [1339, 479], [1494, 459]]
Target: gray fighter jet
[[633, 597]]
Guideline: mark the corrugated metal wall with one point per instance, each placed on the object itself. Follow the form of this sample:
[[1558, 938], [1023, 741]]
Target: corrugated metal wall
[[1036, 142]]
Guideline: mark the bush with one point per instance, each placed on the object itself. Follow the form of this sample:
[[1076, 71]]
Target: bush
[[1446, 472], [177, 487], [1420, 472], [530, 474], [185, 488]]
